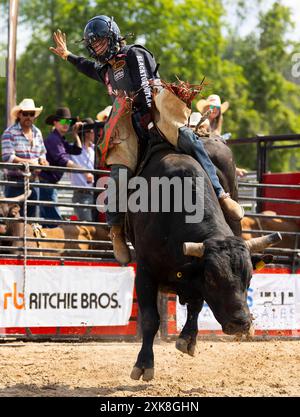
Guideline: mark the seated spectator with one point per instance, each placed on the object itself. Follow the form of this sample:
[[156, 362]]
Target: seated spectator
[[87, 160], [23, 142], [58, 154]]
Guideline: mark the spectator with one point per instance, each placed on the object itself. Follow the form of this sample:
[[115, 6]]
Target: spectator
[[58, 154], [102, 116], [87, 160], [23, 142], [216, 110]]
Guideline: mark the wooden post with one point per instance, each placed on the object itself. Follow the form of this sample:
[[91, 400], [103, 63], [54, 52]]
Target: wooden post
[[11, 59]]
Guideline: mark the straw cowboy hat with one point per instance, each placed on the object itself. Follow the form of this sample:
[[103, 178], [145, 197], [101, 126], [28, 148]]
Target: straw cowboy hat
[[27, 104], [214, 100], [61, 113], [103, 115]]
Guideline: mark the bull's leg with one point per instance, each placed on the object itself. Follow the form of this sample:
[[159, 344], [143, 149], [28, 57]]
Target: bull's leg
[[187, 339], [146, 290]]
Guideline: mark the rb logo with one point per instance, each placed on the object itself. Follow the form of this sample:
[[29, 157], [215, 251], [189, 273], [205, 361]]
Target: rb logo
[[15, 295]]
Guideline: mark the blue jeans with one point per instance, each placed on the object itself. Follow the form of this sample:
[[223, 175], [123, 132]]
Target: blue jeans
[[11, 191], [49, 212], [83, 197], [117, 217], [189, 143]]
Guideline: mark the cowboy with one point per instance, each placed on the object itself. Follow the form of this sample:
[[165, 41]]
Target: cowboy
[[133, 69], [23, 142], [120, 67], [58, 154]]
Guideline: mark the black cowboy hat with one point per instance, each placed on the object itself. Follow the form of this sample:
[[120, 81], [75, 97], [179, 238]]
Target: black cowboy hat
[[88, 124], [61, 113]]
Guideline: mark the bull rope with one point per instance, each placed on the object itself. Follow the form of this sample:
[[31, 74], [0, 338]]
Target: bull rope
[[26, 175]]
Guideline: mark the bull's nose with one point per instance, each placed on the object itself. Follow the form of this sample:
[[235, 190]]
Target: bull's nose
[[237, 326]]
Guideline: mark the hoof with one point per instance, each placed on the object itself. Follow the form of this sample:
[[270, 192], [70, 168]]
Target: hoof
[[148, 374], [182, 345], [185, 347], [251, 333], [136, 373], [191, 349]]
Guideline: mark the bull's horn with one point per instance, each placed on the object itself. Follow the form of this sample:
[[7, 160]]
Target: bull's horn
[[18, 198], [193, 249], [258, 244]]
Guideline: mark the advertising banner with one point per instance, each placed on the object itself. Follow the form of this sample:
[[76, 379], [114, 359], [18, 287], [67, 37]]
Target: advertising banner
[[65, 295], [273, 299]]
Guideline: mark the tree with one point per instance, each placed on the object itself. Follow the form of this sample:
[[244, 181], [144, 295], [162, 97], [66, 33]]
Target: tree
[[263, 56], [188, 40]]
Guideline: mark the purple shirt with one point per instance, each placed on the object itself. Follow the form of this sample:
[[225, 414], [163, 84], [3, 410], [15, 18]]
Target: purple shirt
[[58, 154]]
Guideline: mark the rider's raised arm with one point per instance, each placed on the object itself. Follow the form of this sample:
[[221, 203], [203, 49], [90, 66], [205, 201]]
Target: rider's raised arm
[[86, 66]]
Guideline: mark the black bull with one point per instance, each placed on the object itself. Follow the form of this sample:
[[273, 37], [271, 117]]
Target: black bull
[[199, 261]]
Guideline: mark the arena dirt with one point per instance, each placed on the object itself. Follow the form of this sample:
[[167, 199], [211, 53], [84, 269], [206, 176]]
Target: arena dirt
[[219, 368]]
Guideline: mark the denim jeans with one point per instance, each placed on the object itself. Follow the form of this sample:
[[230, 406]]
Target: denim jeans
[[115, 216], [189, 143], [11, 191], [49, 212], [83, 197]]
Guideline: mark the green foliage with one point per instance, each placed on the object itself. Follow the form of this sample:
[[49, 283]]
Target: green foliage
[[188, 40], [264, 58]]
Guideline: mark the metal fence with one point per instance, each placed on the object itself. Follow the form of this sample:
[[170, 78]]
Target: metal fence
[[289, 255], [66, 247], [69, 244]]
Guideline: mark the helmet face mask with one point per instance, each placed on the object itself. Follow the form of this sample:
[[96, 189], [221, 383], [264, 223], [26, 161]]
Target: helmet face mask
[[98, 29]]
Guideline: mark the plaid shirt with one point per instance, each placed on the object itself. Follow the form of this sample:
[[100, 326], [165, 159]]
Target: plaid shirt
[[15, 143]]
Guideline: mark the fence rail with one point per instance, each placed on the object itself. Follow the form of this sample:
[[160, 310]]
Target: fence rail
[[102, 249]]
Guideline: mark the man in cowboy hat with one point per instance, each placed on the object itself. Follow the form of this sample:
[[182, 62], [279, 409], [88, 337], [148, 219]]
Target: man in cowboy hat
[[23, 143], [58, 154]]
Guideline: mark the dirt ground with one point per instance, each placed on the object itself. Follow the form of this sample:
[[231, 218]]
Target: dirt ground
[[101, 369]]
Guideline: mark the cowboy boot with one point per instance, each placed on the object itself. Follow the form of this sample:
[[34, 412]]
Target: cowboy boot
[[121, 250], [231, 207]]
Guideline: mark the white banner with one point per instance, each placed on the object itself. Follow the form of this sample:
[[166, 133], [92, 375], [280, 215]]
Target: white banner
[[65, 296], [273, 299]]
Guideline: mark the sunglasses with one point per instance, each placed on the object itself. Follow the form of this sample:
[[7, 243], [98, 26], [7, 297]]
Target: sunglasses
[[214, 107], [28, 113], [65, 121]]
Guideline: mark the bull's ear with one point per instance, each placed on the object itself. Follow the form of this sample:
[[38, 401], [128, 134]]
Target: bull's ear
[[258, 244], [193, 249]]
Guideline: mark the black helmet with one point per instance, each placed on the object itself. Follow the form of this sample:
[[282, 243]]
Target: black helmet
[[102, 27]]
